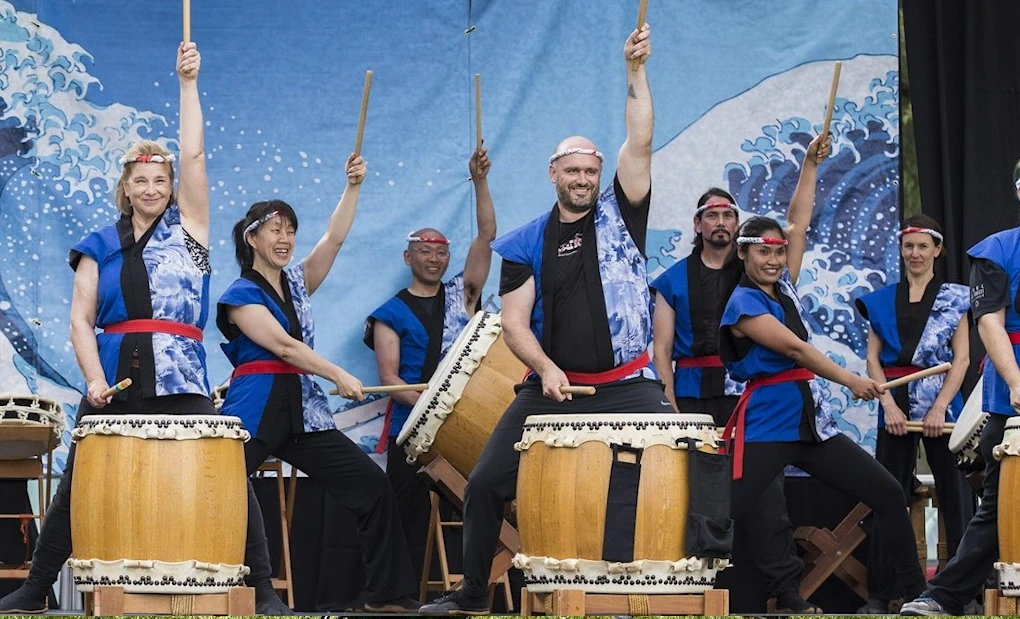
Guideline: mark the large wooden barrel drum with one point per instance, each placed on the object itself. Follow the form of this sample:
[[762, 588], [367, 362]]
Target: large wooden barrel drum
[[1008, 453], [159, 503], [467, 395], [566, 510]]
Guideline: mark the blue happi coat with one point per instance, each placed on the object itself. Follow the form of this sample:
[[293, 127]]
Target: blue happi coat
[[621, 268], [420, 351], [249, 396], [1003, 250], [948, 304], [774, 412], [163, 276]]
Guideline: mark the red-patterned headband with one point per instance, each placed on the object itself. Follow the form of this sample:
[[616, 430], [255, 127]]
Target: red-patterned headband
[[757, 240], [168, 158], [411, 238], [912, 229], [704, 207]]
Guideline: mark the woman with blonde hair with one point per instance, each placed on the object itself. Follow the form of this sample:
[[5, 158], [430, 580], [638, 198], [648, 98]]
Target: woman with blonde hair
[[145, 282]]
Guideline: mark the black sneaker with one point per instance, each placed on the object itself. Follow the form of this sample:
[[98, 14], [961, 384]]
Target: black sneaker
[[456, 603], [401, 606], [25, 600]]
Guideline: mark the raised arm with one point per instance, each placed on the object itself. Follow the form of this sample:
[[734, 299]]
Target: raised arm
[[798, 216], [320, 260], [261, 327], [193, 185], [84, 301], [663, 327], [774, 335], [634, 166], [387, 357], [479, 258]]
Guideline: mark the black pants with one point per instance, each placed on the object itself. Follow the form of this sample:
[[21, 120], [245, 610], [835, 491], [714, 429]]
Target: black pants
[[413, 503], [493, 481], [769, 529], [956, 500], [841, 464], [351, 478], [964, 576], [54, 544]]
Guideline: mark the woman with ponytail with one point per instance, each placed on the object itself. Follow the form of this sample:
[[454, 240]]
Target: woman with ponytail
[[266, 317]]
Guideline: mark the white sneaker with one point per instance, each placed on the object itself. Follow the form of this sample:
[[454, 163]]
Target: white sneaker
[[923, 606]]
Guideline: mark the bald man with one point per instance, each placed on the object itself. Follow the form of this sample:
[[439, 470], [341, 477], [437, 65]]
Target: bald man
[[412, 331], [576, 311]]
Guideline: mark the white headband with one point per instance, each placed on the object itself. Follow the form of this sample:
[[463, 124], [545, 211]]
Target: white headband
[[576, 151], [757, 240], [258, 222], [169, 158], [935, 235], [704, 207]]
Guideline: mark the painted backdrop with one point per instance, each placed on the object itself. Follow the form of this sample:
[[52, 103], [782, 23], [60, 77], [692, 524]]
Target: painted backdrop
[[739, 88]]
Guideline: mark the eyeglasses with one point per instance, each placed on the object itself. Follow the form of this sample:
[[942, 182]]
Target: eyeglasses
[[424, 252]]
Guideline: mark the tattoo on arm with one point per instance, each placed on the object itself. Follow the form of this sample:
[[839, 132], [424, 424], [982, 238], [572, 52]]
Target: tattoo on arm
[[630, 91]]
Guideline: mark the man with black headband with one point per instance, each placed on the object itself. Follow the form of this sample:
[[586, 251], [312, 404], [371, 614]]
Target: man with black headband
[[575, 310], [412, 331]]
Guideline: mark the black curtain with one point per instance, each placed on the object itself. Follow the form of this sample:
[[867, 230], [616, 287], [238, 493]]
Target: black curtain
[[964, 78], [963, 61]]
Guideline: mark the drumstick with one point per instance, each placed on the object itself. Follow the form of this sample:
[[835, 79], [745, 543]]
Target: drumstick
[[575, 390], [917, 426], [478, 111], [388, 388], [642, 11], [187, 21], [909, 378], [364, 113], [832, 97], [121, 386]]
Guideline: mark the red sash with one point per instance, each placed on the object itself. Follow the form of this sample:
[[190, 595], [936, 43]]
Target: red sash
[[601, 378], [149, 325], [735, 426], [266, 367], [707, 361], [899, 371]]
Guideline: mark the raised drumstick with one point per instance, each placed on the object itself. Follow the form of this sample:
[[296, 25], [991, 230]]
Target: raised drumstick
[[909, 378], [364, 113], [642, 11], [832, 97], [187, 21], [578, 390], [121, 386], [478, 111], [918, 426], [388, 388]]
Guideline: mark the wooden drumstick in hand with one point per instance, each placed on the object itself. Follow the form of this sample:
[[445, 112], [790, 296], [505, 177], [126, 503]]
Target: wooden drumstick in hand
[[187, 21], [918, 426], [364, 113], [577, 390], [909, 378], [478, 111], [121, 386], [642, 11], [832, 97], [388, 388]]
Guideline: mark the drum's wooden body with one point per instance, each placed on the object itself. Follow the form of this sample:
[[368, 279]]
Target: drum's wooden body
[[562, 491], [1008, 454], [159, 503], [29, 410], [467, 395]]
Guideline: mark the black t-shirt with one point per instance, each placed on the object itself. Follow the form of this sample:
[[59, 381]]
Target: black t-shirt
[[989, 288], [706, 331], [421, 306], [575, 341]]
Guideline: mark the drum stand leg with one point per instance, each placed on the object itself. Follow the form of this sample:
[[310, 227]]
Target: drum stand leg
[[997, 604], [572, 602], [453, 485], [830, 552], [113, 601]]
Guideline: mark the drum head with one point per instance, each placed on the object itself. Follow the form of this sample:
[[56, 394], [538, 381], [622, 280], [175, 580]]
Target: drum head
[[174, 427], [971, 420], [29, 411]]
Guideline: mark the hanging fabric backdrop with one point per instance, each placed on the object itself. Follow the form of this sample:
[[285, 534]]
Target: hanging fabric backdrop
[[739, 89]]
